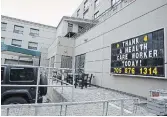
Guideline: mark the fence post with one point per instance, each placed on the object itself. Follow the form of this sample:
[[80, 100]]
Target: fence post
[[72, 93], [36, 97], [7, 112], [66, 110], [103, 107], [106, 109], [61, 109], [122, 107], [135, 102]]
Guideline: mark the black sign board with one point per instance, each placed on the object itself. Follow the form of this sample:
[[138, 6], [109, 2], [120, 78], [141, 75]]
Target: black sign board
[[142, 55]]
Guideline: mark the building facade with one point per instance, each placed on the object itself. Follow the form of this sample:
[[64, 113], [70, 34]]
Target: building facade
[[126, 50], [121, 42], [26, 35]]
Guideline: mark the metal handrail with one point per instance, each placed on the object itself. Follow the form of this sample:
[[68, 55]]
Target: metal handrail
[[66, 104], [36, 85]]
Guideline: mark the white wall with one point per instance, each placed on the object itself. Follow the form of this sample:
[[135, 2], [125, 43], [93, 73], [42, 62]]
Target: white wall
[[103, 5], [61, 46], [134, 20], [46, 35]]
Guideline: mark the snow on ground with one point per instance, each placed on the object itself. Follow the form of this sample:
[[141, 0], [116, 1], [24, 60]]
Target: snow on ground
[[81, 95]]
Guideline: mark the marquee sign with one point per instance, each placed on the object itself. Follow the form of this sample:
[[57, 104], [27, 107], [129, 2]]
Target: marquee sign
[[142, 55]]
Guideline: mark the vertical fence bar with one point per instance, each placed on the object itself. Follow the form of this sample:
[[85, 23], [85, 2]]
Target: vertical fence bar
[[135, 102], [106, 109], [7, 114], [37, 87], [122, 107], [66, 110], [103, 108], [72, 93], [61, 109]]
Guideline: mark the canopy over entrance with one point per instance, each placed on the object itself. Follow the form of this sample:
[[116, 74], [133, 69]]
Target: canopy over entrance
[[8, 49]]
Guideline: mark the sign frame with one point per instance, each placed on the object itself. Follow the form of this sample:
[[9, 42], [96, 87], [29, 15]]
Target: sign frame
[[164, 57]]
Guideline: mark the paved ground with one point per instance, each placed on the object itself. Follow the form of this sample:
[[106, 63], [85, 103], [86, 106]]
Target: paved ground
[[86, 94], [95, 94]]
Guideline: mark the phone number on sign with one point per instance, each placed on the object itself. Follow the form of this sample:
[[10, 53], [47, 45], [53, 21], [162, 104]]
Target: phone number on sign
[[141, 71]]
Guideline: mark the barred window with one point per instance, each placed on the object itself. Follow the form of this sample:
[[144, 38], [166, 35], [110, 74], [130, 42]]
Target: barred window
[[66, 61]]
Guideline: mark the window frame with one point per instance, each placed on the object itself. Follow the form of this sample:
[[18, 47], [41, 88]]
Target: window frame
[[3, 29], [78, 62], [78, 12], [79, 27], [34, 34], [95, 3], [31, 46], [66, 57], [18, 31], [86, 6], [96, 15], [85, 13], [16, 44], [21, 80]]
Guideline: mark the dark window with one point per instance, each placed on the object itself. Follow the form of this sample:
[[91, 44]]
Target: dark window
[[2, 73], [21, 74], [32, 45], [96, 14], [78, 12], [18, 29], [80, 29], [34, 32], [3, 26], [16, 42], [66, 61], [80, 63], [86, 5]]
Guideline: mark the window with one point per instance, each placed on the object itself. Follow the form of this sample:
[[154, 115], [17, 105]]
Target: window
[[80, 63], [3, 26], [21, 74], [66, 61], [16, 42], [2, 73], [18, 29], [2, 39], [32, 45], [115, 2], [80, 29], [34, 32], [86, 5], [70, 27], [96, 3], [96, 14], [78, 13], [85, 15]]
